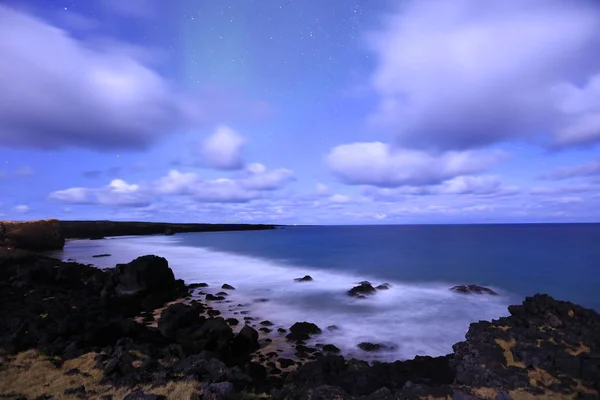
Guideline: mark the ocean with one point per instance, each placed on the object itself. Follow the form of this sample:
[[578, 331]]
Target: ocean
[[419, 315]]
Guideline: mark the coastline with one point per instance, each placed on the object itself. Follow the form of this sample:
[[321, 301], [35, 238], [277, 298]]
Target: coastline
[[75, 331]]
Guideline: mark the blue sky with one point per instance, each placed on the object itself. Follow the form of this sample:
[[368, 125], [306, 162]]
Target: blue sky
[[285, 111]]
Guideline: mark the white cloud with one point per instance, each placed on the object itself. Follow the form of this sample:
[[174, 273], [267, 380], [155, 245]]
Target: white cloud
[[378, 164], [116, 193], [339, 198], [258, 177], [75, 195], [55, 88], [322, 189], [486, 185], [590, 169], [456, 74], [176, 182], [223, 191], [21, 209], [223, 149]]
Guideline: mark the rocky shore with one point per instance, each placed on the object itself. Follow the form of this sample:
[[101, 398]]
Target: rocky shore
[[69, 330], [50, 234]]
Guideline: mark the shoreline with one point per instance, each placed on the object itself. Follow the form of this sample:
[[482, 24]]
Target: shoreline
[[57, 314]]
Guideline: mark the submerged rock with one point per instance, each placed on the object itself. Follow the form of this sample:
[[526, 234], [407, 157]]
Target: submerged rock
[[212, 297], [473, 289], [365, 288], [101, 255], [303, 330], [227, 287], [372, 347], [383, 286], [305, 278]]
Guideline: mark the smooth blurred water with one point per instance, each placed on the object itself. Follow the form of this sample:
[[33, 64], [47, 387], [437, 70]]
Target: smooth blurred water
[[419, 315]]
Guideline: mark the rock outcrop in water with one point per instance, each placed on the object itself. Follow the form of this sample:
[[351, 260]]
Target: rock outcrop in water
[[473, 289], [72, 313], [362, 290]]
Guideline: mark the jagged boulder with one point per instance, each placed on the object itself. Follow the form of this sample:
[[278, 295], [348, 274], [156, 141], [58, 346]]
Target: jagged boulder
[[147, 280]]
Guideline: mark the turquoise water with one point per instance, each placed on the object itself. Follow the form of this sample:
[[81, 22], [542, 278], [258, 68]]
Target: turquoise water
[[419, 315]]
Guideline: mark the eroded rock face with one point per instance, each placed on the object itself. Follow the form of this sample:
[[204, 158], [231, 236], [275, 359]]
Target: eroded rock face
[[32, 235], [473, 289], [545, 346]]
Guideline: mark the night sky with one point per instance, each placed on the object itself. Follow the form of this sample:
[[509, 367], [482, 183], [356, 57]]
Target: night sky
[[300, 111]]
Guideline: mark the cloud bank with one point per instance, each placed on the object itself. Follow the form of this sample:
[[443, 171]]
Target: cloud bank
[[454, 75], [379, 164]]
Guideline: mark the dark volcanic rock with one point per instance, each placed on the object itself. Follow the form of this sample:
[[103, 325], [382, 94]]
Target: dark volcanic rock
[[371, 347], [144, 274], [359, 378], [246, 341], [140, 395], [305, 278], [331, 348], [473, 289], [212, 297], [147, 281], [266, 323], [222, 294], [227, 287], [232, 321], [383, 286], [101, 255], [197, 285], [365, 288], [303, 330], [545, 345]]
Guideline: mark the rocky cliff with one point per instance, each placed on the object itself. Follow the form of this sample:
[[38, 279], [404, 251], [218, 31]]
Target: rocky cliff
[[32, 235]]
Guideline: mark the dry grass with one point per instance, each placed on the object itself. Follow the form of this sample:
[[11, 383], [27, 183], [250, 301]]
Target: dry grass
[[508, 355], [577, 351], [484, 393], [30, 374], [501, 327], [521, 394], [541, 376]]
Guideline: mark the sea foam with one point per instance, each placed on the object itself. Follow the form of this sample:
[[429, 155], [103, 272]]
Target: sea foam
[[411, 319]]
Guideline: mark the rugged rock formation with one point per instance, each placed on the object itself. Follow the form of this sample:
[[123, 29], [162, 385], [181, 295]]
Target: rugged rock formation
[[32, 235], [546, 347]]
